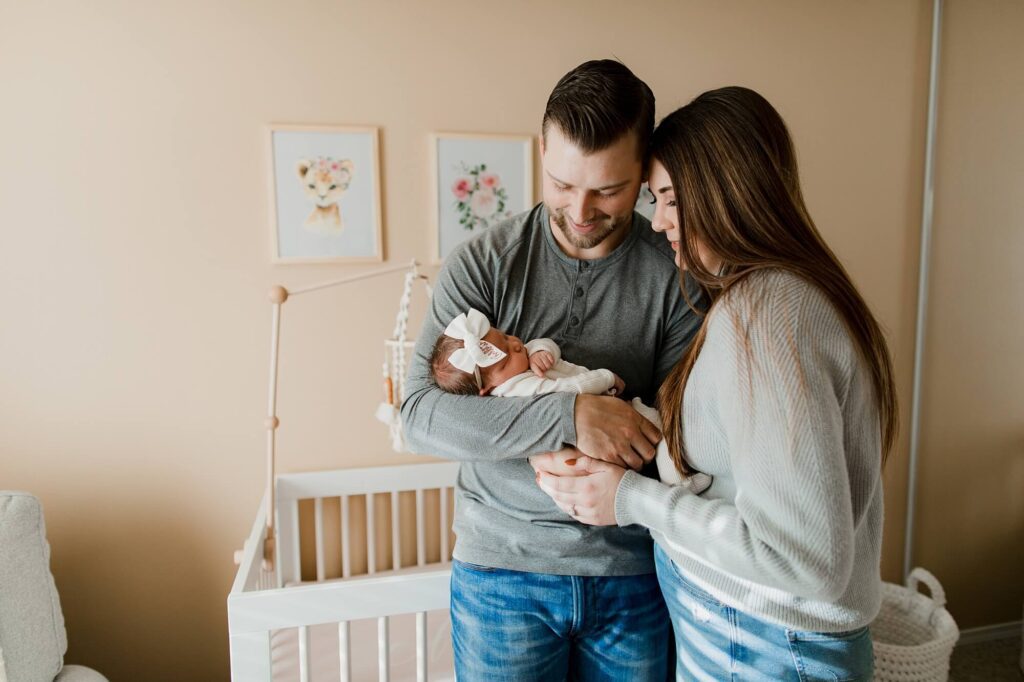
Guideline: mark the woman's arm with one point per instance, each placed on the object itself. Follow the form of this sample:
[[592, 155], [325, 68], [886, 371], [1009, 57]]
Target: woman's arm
[[779, 372], [780, 369]]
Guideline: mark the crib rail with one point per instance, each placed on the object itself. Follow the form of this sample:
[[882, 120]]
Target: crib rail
[[262, 601], [354, 599]]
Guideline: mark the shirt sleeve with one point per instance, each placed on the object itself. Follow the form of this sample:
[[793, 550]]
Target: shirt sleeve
[[592, 382], [681, 326], [475, 428], [537, 345], [778, 392]]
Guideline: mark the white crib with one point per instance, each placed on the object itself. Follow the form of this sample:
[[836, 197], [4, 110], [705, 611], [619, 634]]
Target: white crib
[[353, 626]]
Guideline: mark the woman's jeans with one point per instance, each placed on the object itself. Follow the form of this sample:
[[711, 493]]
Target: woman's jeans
[[716, 642], [533, 627]]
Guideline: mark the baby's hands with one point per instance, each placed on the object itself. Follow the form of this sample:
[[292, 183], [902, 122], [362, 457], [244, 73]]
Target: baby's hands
[[541, 362], [618, 387]]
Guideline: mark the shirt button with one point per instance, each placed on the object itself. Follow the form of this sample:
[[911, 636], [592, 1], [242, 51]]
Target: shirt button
[[579, 292], [574, 321], [584, 265]]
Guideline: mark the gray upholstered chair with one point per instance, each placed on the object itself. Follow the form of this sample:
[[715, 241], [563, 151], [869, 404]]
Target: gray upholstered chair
[[32, 636]]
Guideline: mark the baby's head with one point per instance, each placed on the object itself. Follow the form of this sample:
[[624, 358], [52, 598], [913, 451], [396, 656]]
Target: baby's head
[[510, 359]]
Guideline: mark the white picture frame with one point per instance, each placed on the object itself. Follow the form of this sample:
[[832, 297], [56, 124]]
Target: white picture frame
[[325, 194], [479, 180]]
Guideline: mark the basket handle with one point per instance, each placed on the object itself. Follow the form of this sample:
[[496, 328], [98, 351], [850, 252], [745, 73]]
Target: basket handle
[[920, 575]]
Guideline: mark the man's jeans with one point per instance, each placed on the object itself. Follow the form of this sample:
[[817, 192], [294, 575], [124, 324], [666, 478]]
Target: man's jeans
[[526, 627], [716, 642]]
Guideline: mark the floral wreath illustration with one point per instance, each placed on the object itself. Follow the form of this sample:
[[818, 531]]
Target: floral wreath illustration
[[480, 198]]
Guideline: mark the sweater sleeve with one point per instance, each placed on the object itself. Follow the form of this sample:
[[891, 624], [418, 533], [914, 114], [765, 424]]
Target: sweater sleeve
[[548, 345], [779, 369], [475, 428], [593, 382]]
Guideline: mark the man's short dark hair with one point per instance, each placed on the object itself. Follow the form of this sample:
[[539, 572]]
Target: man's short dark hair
[[597, 103]]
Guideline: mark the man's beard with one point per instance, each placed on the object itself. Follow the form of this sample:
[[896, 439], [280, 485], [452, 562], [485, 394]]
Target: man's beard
[[608, 225]]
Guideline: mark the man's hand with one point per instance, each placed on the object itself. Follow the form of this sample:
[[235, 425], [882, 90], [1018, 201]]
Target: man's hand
[[610, 430], [541, 362]]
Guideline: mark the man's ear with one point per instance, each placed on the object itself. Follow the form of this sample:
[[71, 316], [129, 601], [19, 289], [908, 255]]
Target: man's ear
[[486, 390]]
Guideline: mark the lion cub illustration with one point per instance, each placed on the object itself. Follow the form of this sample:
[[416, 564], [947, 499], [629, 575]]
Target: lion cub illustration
[[324, 180]]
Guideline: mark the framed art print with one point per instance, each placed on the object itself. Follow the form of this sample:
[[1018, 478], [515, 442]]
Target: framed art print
[[325, 190], [479, 180]]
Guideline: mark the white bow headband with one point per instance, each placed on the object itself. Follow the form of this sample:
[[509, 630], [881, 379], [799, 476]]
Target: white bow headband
[[471, 328]]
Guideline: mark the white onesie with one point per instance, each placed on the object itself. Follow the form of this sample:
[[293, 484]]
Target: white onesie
[[569, 378]]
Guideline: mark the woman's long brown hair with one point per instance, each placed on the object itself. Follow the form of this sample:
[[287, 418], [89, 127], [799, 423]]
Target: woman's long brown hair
[[733, 168]]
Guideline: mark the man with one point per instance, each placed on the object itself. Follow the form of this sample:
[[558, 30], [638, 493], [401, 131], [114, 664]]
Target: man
[[536, 595]]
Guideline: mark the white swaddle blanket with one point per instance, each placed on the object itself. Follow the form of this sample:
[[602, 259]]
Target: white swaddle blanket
[[667, 472]]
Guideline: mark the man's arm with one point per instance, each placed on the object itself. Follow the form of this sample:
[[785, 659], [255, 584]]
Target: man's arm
[[480, 428], [681, 325]]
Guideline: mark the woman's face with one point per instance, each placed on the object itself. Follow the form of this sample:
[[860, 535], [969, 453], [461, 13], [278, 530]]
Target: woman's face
[[666, 215]]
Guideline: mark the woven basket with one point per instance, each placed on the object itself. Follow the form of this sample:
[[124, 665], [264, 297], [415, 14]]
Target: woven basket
[[914, 634]]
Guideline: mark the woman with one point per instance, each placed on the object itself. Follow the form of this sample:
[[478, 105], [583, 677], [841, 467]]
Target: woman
[[785, 397]]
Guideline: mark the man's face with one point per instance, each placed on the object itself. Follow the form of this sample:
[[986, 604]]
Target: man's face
[[590, 196]]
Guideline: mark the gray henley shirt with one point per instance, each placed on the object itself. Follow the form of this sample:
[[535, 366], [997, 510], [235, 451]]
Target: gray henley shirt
[[623, 312]]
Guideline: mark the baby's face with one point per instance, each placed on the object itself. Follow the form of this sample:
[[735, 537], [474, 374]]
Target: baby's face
[[516, 360]]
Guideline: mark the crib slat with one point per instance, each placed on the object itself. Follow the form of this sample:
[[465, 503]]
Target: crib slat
[[396, 532], [346, 548], [371, 535], [345, 651], [303, 653], [444, 525], [421, 646], [421, 543], [289, 568], [318, 537], [383, 649]]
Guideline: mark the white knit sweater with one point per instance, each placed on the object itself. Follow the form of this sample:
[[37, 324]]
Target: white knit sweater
[[781, 411]]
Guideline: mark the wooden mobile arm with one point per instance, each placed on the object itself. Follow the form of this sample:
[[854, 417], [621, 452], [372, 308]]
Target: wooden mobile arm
[[278, 296]]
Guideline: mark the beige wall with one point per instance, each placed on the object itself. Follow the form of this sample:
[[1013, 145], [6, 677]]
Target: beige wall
[[971, 502], [133, 212]]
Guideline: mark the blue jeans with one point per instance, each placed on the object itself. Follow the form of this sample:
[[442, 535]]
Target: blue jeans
[[716, 642], [526, 627]]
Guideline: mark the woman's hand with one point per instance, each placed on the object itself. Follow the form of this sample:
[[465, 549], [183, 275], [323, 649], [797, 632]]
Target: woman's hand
[[588, 495]]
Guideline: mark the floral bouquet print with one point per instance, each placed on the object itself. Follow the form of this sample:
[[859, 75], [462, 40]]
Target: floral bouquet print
[[480, 197]]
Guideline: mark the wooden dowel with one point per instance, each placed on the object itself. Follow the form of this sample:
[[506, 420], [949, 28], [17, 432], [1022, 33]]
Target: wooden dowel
[[354, 278]]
